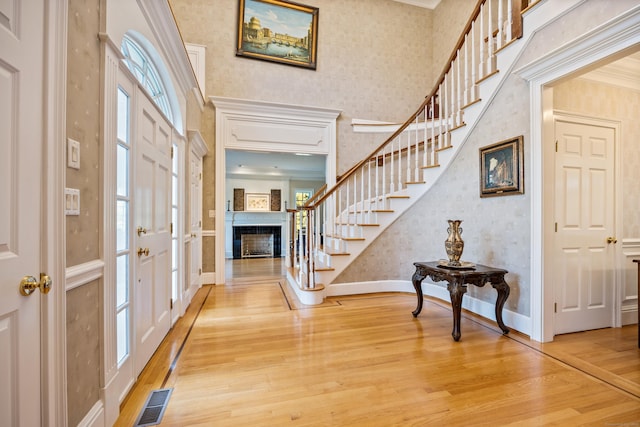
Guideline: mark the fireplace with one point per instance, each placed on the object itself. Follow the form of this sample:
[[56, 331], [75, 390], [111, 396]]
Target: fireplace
[[257, 241]]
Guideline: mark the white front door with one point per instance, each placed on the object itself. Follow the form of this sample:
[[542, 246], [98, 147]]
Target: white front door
[[152, 287], [21, 146], [584, 210]]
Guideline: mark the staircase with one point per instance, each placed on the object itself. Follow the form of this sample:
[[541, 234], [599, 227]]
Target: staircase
[[334, 227]]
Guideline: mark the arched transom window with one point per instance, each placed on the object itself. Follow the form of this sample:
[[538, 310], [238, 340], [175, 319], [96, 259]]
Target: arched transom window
[[145, 71]]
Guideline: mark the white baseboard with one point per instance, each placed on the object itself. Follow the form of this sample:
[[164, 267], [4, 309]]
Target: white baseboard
[[95, 416], [209, 278], [485, 309], [311, 297], [629, 314]]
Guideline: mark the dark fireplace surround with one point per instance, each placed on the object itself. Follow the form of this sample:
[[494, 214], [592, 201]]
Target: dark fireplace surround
[[239, 230]]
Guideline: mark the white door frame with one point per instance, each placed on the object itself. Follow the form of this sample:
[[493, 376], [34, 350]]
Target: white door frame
[[267, 126], [608, 41], [53, 400]]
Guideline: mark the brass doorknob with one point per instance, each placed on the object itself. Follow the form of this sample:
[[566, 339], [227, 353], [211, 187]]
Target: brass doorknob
[[144, 251], [141, 230], [612, 240], [29, 284]]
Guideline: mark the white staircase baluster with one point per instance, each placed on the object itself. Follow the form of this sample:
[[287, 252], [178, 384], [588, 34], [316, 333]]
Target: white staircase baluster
[[500, 24]]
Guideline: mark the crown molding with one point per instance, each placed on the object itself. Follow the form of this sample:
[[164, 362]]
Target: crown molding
[[160, 18], [623, 73]]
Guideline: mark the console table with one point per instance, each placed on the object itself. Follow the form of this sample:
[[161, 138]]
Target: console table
[[457, 280], [637, 261]]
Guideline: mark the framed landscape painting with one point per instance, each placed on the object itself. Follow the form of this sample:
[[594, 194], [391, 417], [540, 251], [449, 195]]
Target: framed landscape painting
[[278, 31], [502, 168]]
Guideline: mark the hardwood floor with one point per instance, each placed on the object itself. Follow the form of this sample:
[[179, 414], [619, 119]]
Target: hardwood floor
[[253, 356]]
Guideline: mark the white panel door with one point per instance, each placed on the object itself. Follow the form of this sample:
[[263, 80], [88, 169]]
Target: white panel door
[[152, 287], [21, 134], [584, 205]]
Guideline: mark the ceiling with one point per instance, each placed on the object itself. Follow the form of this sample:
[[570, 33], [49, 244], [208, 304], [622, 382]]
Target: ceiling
[[271, 165], [624, 72]]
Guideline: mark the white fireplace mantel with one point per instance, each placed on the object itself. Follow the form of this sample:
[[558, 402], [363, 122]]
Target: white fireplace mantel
[[247, 218]]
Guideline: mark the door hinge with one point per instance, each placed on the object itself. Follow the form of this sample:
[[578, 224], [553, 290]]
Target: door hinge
[[200, 176], [172, 152], [171, 228], [171, 303], [199, 272], [556, 227], [556, 146], [555, 307], [199, 223]]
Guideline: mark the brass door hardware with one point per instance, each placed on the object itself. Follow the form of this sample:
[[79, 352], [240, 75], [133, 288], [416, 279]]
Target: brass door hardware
[[144, 252], [29, 284], [141, 230], [612, 240]]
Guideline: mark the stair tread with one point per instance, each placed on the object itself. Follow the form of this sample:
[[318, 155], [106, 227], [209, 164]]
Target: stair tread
[[337, 253]]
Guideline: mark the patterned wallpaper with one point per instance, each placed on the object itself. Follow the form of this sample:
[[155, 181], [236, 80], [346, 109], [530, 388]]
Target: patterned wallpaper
[[496, 230], [83, 231], [373, 63], [83, 125], [83, 350]]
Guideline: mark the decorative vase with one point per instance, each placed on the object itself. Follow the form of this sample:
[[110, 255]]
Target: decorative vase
[[454, 243]]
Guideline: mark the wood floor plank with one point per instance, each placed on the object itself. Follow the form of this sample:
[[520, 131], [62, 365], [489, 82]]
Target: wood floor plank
[[253, 358]]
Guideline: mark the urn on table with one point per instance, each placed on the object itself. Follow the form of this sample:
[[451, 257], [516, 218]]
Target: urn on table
[[454, 243]]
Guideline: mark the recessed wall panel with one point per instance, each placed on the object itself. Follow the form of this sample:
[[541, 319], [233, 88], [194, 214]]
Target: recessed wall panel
[[8, 148]]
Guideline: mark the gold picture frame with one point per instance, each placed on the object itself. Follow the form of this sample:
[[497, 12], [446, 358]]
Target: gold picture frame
[[278, 31], [502, 168]]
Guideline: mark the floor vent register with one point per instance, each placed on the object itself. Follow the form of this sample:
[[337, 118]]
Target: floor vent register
[[154, 408]]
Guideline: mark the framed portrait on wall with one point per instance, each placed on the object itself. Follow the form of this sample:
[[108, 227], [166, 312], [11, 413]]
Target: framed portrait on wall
[[502, 168]]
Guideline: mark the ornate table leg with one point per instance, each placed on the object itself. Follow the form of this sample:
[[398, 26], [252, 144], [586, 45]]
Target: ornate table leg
[[417, 279], [456, 290], [503, 293]]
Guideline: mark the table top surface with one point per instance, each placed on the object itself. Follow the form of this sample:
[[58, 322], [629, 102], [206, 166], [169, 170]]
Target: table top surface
[[453, 271]]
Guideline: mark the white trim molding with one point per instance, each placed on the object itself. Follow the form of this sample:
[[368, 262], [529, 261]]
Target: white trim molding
[[629, 284], [82, 274], [197, 143], [268, 126], [163, 24], [53, 329], [197, 56]]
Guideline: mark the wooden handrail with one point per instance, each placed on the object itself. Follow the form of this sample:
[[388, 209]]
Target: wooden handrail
[[315, 196], [427, 100]]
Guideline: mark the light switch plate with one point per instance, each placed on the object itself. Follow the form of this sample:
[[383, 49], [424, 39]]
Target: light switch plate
[[71, 201], [73, 154]]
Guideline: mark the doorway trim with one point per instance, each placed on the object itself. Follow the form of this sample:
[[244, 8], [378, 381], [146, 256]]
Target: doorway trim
[[272, 127], [610, 40], [53, 400]]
